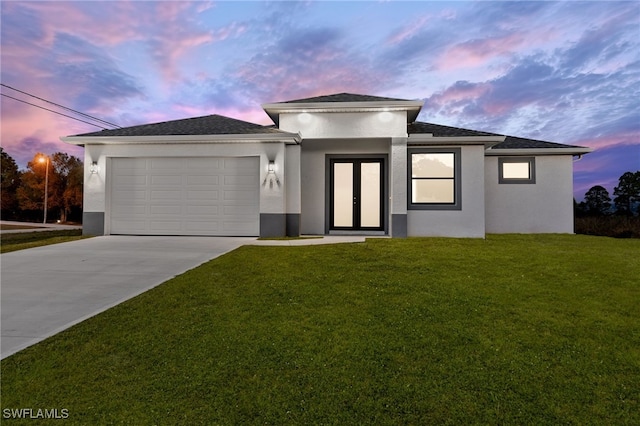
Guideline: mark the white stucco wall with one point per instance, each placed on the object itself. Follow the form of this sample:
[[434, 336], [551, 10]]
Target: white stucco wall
[[543, 207], [346, 124], [292, 170], [468, 222], [272, 197], [313, 173], [398, 175]]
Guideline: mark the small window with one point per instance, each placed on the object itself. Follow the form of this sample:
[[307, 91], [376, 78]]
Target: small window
[[517, 170], [434, 179]]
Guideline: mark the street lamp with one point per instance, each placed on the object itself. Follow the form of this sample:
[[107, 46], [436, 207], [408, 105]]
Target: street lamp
[[45, 159]]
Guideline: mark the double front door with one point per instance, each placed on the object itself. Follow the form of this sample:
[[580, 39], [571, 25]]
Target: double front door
[[356, 194]]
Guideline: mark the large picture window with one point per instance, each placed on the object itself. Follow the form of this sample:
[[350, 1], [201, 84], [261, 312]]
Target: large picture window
[[517, 170], [434, 179]]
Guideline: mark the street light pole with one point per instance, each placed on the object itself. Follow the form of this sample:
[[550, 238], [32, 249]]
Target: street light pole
[[45, 159]]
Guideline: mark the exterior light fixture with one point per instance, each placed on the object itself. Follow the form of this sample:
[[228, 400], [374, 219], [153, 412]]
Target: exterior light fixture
[[271, 175], [94, 168]]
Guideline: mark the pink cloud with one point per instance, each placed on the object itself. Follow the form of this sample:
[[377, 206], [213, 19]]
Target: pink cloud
[[27, 130], [475, 53], [625, 137], [409, 31]]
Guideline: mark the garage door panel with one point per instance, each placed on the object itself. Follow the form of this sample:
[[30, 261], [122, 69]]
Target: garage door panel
[[204, 228], [132, 180], [202, 162], [230, 195], [203, 210], [239, 180], [185, 196], [130, 209], [202, 180], [133, 164], [127, 195], [129, 226], [165, 195], [175, 180], [165, 225], [166, 210], [166, 165]]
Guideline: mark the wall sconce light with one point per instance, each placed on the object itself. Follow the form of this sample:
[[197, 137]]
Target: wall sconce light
[[271, 175], [94, 168]]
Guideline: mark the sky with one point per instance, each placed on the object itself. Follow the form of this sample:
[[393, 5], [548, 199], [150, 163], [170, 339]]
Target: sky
[[566, 72]]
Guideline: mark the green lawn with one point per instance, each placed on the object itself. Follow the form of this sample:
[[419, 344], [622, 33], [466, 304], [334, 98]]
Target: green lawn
[[515, 329], [25, 240]]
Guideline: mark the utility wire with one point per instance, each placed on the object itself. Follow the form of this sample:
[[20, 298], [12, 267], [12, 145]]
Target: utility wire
[[60, 106], [55, 112]]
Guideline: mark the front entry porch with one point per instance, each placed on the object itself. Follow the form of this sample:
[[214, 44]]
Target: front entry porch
[[356, 200]]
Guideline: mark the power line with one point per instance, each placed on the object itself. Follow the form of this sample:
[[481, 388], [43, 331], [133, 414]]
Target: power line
[[60, 106], [55, 112]]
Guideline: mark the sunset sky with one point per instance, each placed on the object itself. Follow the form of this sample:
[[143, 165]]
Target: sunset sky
[[566, 72]]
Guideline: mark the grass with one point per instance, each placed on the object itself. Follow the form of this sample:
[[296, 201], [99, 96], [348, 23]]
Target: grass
[[515, 329], [26, 240], [8, 227]]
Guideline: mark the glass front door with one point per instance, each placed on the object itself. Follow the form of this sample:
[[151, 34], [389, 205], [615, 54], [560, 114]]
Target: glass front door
[[356, 194]]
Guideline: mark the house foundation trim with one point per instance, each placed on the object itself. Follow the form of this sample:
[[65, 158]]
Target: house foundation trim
[[399, 225], [93, 223], [293, 224], [273, 225]]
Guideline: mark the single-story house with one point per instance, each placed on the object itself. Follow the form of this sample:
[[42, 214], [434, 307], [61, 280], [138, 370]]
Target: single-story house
[[336, 164]]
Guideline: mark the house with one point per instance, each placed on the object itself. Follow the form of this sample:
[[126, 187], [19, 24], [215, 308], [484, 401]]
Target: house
[[336, 164]]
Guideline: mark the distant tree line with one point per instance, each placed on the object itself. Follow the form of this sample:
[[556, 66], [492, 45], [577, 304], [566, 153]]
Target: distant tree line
[[23, 191], [626, 201], [619, 217]]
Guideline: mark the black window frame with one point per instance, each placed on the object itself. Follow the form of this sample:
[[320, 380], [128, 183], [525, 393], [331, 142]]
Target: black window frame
[[457, 179], [531, 180]]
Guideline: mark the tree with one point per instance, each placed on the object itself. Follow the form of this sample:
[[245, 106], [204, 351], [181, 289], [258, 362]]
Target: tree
[[627, 193], [596, 201], [65, 184], [9, 182], [70, 171]]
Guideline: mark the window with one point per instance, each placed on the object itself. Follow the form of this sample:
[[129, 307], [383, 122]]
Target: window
[[434, 179], [517, 170]]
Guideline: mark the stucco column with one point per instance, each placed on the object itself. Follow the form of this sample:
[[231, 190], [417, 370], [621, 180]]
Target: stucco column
[[293, 190], [398, 185]]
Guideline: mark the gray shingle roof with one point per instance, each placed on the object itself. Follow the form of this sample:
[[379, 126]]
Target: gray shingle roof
[[343, 97], [207, 125], [510, 142], [513, 142], [439, 130]]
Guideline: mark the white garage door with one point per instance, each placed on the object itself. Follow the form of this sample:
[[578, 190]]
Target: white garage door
[[185, 196]]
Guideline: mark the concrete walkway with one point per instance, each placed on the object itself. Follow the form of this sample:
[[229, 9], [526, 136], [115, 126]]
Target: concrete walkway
[[48, 289], [312, 240]]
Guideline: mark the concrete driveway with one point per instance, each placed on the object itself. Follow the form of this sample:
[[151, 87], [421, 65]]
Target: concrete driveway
[[48, 289]]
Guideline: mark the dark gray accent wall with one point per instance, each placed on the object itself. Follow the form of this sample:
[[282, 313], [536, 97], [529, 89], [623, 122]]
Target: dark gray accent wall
[[93, 223], [273, 225], [399, 225], [293, 224]]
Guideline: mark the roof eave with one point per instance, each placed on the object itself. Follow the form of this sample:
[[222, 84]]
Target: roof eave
[[429, 139], [412, 107], [288, 138], [578, 150]]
